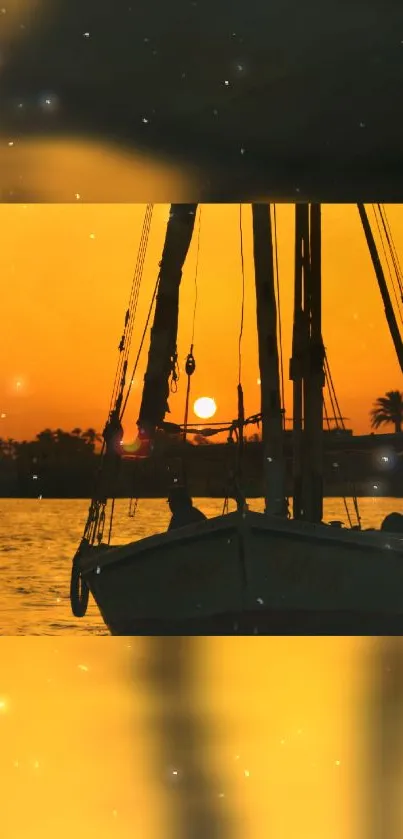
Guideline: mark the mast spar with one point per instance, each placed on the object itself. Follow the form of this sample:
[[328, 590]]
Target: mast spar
[[162, 352], [307, 366], [272, 418]]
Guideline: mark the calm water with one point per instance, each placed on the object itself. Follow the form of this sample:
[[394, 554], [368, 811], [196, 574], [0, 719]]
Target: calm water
[[39, 537]]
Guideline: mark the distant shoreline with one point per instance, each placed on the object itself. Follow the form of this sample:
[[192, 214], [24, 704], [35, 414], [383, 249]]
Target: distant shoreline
[[163, 497]]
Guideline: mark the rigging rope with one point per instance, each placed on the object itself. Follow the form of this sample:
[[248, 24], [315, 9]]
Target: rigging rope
[[140, 348], [387, 258], [279, 318], [95, 524], [125, 341], [392, 246], [340, 424]]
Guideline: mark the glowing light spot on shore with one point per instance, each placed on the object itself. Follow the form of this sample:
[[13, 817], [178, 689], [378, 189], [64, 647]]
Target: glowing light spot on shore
[[205, 407]]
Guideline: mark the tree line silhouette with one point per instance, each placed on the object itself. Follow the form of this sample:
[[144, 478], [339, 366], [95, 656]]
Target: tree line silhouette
[[63, 464]]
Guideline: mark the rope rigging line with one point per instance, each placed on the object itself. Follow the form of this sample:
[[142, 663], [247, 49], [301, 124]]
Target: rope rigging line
[[139, 349], [350, 523], [254, 419], [389, 237], [279, 316], [139, 268], [387, 258], [398, 294], [95, 524], [125, 341], [341, 425]]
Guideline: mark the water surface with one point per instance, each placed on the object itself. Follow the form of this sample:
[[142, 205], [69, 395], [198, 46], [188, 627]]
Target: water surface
[[38, 538]]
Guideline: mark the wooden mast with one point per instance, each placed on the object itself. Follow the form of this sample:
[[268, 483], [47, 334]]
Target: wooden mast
[[380, 276], [314, 377], [272, 422], [165, 327], [307, 366], [299, 342]]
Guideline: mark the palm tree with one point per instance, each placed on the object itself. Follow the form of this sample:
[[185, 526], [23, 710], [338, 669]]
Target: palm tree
[[91, 436], [388, 410]]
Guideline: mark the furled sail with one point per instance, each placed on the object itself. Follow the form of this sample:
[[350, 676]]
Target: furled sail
[[162, 352]]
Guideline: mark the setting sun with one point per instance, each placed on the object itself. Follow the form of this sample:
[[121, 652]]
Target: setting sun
[[205, 407]]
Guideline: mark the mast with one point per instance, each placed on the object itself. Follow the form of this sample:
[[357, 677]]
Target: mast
[[314, 379], [380, 276], [162, 352], [299, 342], [272, 421], [307, 366]]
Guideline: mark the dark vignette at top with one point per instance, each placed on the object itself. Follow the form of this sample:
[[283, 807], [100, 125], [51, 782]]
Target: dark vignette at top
[[279, 98]]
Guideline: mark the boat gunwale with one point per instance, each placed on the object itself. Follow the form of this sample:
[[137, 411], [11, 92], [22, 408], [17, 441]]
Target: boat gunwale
[[104, 556]]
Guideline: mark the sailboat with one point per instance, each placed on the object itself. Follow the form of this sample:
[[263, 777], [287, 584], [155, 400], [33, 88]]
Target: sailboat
[[243, 572]]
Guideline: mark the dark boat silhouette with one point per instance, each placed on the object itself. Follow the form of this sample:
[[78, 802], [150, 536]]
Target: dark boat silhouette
[[245, 572]]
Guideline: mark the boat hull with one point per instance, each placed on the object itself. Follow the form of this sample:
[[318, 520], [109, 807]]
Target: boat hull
[[267, 623], [250, 575]]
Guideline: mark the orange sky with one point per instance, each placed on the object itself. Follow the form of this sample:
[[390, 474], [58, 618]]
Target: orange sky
[[66, 273]]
